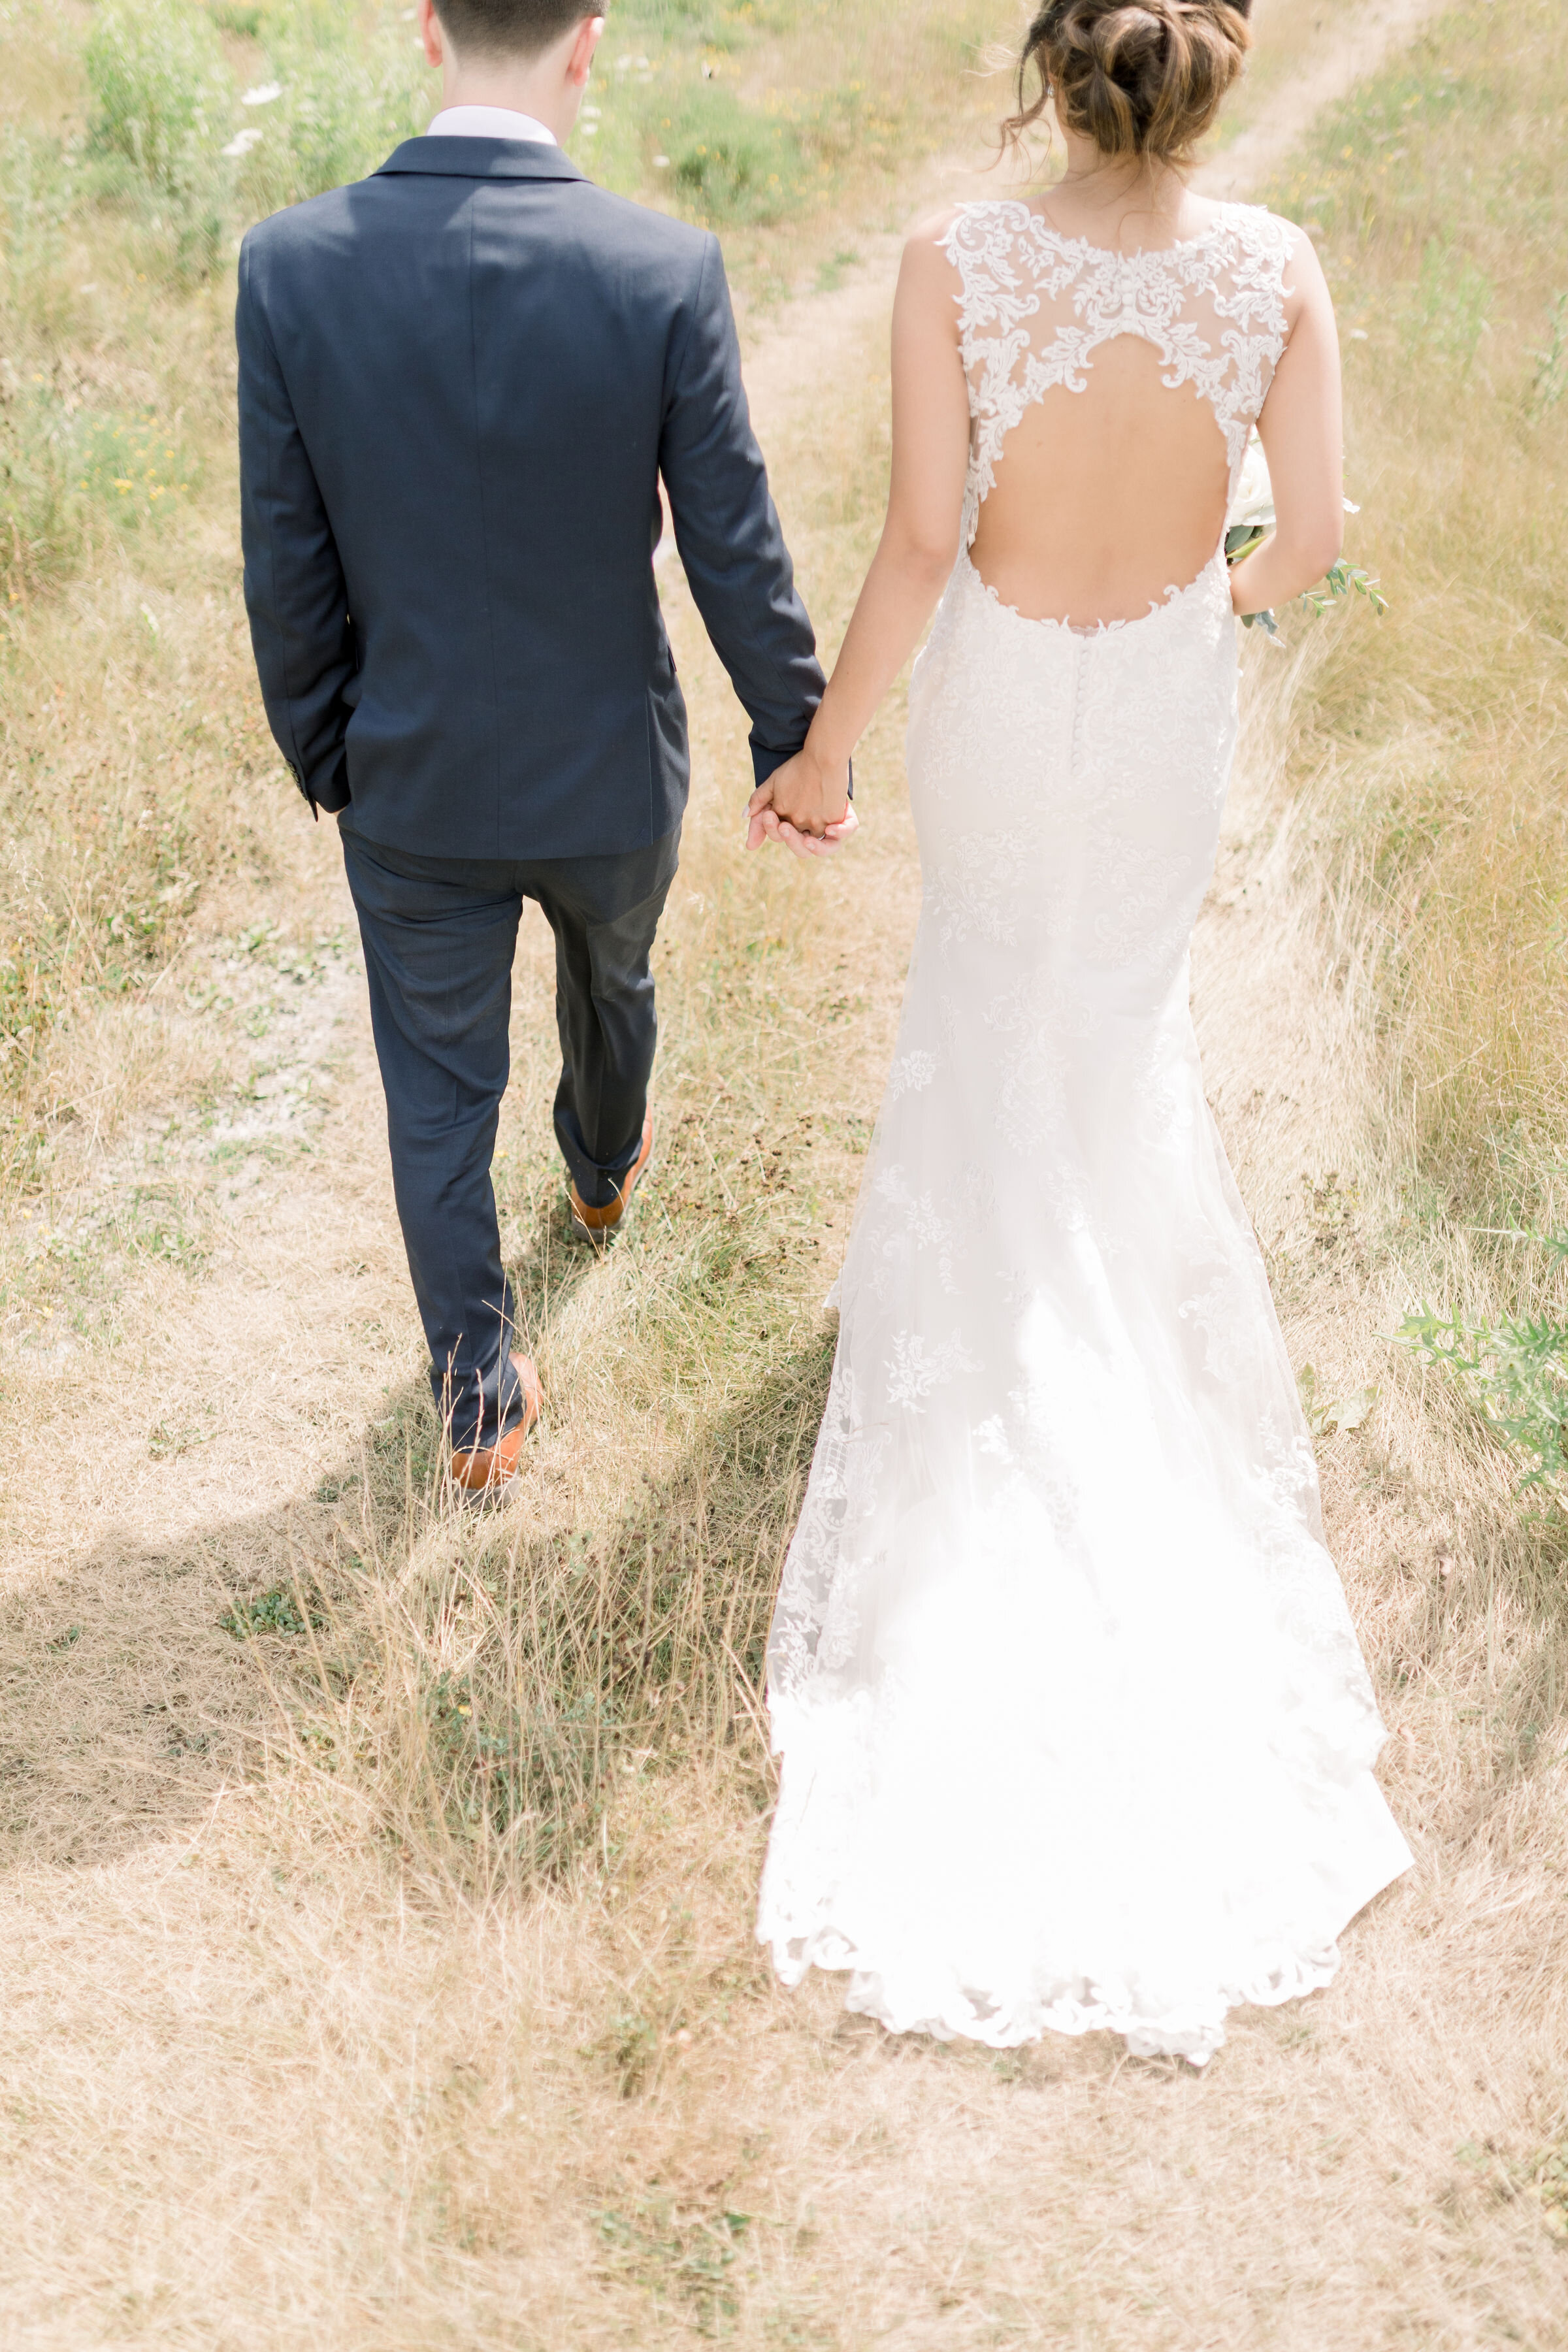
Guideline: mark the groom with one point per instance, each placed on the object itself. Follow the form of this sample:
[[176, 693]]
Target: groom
[[460, 382]]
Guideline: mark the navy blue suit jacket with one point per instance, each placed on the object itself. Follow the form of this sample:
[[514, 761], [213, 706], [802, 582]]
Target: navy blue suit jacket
[[459, 382]]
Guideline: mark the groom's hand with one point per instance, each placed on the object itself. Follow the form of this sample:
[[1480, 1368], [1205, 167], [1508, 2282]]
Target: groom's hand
[[804, 806], [763, 824]]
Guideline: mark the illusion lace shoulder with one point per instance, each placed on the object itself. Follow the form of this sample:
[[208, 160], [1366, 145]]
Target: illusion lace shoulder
[[1075, 1730]]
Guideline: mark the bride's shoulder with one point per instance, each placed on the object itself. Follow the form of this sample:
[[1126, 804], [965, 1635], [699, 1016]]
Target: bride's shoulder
[[932, 232], [1273, 260], [1259, 231], [943, 265], [947, 240], [1280, 251], [928, 247]]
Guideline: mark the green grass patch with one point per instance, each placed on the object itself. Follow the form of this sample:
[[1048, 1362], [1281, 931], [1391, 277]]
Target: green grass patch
[[281, 1611]]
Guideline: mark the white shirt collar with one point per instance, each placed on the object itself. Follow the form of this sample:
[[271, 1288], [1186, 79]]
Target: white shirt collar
[[489, 123]]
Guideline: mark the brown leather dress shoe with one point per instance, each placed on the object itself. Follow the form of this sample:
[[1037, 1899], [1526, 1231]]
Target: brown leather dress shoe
[[491, 1467], [598, 1225]]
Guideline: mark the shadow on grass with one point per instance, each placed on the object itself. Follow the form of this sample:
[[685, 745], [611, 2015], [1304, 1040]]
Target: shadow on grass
[[481, 1679], [459, 1683]]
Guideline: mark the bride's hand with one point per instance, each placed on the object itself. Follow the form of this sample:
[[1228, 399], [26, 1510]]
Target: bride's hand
[[802, 803], [765, 824], [762, 824]]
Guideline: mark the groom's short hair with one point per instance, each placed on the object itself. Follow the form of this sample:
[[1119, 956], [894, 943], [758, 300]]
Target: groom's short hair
[[503, 28]]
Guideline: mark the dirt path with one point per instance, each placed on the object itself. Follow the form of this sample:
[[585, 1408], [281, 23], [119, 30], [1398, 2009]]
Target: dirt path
[[1351, 45]]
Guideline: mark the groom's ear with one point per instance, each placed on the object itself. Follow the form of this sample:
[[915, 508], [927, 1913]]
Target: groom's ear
[[581, 62], [431, 35]]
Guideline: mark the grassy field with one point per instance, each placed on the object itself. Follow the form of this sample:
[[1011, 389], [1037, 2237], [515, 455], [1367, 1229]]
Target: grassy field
[[375, 1930]]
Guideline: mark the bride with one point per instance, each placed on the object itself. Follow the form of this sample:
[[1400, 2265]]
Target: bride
[[1075, 1730]]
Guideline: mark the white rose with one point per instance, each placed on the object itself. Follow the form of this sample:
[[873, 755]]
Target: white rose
[[1253, 502]]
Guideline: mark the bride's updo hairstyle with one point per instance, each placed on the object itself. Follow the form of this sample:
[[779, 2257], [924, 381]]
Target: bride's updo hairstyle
[[1138, 76]]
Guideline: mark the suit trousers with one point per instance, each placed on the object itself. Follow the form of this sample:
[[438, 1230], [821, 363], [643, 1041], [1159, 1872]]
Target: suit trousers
[[439, 936]]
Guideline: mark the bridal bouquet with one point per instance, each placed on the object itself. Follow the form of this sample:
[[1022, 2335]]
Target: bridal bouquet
[[1251, 519]]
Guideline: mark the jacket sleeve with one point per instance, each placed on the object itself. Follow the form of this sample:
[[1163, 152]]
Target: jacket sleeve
[[294, 588], [727, 532]]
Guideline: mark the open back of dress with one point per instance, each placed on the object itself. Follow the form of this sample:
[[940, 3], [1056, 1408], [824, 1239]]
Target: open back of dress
[[1111, 396]]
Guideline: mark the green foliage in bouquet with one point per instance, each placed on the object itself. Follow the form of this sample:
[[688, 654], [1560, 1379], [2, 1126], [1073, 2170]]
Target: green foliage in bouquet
[[1341, 580], [1251, 519]]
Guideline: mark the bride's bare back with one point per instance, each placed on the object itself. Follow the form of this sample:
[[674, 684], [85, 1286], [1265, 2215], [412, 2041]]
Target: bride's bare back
[[1105, 499]]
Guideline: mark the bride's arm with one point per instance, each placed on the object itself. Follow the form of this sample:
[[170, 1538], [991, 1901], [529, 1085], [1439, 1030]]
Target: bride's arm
[[918, 543], [1299, 428]]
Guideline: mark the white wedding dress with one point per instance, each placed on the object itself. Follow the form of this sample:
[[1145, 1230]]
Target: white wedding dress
[[1075, 1729]]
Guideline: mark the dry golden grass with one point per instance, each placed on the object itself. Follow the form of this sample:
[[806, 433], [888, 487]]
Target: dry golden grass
[[1438, 753], [338, 2015]]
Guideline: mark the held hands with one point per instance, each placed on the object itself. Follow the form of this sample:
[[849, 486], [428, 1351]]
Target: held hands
[[804, 806]]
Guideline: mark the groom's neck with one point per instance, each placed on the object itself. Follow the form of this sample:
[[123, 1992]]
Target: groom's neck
[[500, 81]]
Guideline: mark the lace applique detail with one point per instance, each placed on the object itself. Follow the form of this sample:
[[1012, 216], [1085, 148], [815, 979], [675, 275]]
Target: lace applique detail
[[818, 1619], [1221, 1314], [911, 1075], [990, 1437], [1035, 305], [914, 1225], [917, 1367]]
